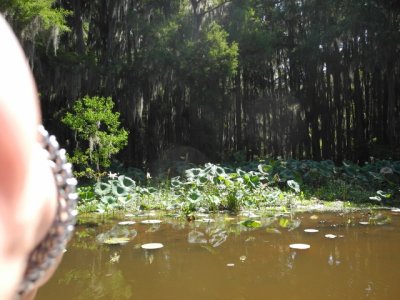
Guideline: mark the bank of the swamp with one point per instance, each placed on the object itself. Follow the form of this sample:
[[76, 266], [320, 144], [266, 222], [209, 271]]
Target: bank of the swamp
[[265, 185]]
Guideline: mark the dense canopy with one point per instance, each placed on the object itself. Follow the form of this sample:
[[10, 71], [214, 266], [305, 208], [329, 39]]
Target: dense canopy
[[315, 79]]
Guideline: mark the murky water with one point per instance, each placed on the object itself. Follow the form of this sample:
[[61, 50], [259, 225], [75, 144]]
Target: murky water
[[214, 257]]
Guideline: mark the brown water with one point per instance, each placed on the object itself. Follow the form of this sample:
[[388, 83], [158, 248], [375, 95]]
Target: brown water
[[226, 260]]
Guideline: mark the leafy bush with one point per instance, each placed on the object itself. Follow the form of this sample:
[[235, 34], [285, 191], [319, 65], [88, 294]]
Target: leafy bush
[[98, 134], [268, 184]]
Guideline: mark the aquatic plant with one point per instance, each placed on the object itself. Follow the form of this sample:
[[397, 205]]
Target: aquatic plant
[[268, 183]]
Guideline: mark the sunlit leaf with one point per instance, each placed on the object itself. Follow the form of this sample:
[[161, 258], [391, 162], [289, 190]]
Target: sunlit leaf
[[126, 181], [126, 223], [116, 241], [251, 223], [330, 236], [299, 246], [108, 199], [102, 188], [376, 198], [152, 246], [194, 197], [294, 185], [283, 222], [151, 222], [119, 191], [383, 194]]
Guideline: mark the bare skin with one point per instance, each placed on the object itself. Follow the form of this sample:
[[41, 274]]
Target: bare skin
[[27, 190]]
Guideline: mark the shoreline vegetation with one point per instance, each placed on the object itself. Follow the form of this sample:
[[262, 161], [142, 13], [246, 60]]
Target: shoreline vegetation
[[264, 186]]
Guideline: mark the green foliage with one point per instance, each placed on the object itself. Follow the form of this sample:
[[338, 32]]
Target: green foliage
[[36, 21], [43, 11], [251, 223], [255, 185], [98, 133], [209, 58]]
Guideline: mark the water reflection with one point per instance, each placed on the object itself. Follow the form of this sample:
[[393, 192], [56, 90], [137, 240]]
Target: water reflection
[[224, 259]]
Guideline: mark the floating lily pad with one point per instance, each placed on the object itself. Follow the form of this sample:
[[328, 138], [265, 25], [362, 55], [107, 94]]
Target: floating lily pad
[[116, 241], [330, 236], [251, 223], [299, 246], [152, 246], [311, 230], [126, 223], [151, 222]]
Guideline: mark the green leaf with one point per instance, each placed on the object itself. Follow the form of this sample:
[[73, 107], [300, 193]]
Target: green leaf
[[126, 182], [294, 185], [102, 188], [108, 200], [383, 194], [194, 197], [119, 191], [251, 223], [283, 222]]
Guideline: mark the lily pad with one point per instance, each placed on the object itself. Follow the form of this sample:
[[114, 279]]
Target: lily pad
[[126, 223], [299, 246], [311, 230], [152, 246], [116, 241], [151, 222], [330, 236], [251, 223]]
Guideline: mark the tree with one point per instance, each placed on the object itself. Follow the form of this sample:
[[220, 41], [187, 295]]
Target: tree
[[307, 79], [98, 134], [36, 22]]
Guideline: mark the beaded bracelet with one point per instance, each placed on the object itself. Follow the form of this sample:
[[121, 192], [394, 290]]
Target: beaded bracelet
[[54, 243]]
